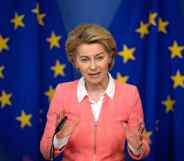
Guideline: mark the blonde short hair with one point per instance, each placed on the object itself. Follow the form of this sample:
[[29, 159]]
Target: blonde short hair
[[88, 34]]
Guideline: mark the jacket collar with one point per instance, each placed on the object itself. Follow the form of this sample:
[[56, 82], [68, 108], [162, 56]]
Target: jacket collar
[[82, 92]]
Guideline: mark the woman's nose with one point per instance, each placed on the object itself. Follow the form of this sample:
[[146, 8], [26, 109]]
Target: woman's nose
[[93, 65]]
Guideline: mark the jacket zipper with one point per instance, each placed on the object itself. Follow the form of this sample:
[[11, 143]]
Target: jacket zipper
[[94, 145]]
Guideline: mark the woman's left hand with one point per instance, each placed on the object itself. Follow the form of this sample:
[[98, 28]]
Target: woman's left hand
[[134, 136]]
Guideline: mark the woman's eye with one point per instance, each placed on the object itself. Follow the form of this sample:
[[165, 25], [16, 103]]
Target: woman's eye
[[100, 58], [83, 60]]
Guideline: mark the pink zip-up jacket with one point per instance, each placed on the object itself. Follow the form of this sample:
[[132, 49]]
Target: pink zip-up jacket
[[103, 141]]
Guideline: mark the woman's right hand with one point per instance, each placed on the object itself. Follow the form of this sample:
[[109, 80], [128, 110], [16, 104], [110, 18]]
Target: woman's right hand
[[69, 126]]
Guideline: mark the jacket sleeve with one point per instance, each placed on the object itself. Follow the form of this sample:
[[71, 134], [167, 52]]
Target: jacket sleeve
[[135, 118], [56, 106]]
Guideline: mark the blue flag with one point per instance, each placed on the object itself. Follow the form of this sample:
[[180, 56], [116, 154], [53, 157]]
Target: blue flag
[[150, 41]]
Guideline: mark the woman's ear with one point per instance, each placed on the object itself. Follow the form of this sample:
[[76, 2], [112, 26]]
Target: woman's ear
[[75, 64], [111, 60]]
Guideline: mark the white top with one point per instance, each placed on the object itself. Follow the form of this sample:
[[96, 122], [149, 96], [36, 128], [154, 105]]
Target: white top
[[95, 105]]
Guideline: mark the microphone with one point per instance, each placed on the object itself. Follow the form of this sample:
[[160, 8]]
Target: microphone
[[58, 128], [61, 125]]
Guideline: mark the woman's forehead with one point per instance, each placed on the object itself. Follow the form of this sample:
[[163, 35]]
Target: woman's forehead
[[90, 49]]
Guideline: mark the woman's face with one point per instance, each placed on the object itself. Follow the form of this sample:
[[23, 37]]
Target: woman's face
[[93, 62]]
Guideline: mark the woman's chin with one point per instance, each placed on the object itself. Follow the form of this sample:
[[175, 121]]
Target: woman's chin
[[94, 81]]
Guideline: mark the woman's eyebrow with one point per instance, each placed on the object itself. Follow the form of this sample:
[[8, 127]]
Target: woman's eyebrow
[[102, 52]]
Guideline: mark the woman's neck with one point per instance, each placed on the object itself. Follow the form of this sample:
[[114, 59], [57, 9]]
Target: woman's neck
[[100, 87]]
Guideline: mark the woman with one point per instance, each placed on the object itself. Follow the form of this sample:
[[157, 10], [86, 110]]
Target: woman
[[101, 112]]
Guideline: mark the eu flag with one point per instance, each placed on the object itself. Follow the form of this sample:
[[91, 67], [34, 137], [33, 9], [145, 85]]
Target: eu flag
[[150, 40]]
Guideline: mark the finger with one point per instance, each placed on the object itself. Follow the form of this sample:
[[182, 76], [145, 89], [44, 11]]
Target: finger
[[135, 139], [141, 128], [57, 119], [125, 126], [69, 128], [134, 142], [141, 125], [75, 123], [140, 136], [60, 116], [139, 144]]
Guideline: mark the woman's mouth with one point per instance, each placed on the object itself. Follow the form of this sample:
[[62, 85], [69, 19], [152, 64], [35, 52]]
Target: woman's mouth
[[94, 75]]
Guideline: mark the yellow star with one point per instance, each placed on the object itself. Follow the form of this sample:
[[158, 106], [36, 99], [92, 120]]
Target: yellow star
[[147, 135], [50, 93], [152, 18], [176, 50], [36, 10], [169, 103], [24, 119], [40, 18], [143, 29], [58, 69], [3, 43], [1, 72], [162, 25], [17, 21], [5, 99], [123, 79], [53, 40], [178, 80], [127, 53]]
